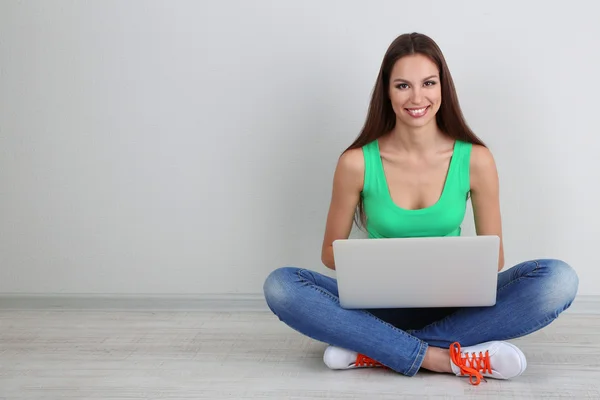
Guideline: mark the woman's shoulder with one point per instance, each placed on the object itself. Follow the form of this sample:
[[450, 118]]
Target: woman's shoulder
[[352, 162], [481, 157], [350, 169], [482, 165]]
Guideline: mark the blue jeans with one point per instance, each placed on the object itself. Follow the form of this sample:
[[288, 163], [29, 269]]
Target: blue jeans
[[530, 296]]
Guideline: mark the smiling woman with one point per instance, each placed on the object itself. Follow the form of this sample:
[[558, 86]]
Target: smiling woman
[[410, 173]]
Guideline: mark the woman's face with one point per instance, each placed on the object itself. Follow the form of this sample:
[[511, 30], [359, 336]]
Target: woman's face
[[415, 90]]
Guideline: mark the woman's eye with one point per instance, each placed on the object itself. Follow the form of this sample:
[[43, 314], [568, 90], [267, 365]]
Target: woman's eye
[[402, 86], [430, 83]]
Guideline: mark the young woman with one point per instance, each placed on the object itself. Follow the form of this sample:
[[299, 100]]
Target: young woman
[[410, 173]]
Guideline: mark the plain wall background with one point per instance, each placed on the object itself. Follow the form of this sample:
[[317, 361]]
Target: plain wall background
[[188, 147]]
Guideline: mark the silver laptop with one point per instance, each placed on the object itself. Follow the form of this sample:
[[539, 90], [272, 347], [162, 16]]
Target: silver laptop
[[457, 271]]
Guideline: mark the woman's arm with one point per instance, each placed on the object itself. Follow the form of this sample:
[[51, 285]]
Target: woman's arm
[[485, 196], [347, 185]]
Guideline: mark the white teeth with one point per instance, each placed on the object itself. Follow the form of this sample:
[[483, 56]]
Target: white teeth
[[419, 111]]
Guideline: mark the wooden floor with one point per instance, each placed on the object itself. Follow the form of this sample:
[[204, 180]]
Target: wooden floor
[[250, 355]]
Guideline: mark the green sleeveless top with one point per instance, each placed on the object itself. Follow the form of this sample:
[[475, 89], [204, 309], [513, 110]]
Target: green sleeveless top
[[386, 220]]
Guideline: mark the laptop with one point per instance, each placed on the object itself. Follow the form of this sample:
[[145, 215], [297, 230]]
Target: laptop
[[456, 271]]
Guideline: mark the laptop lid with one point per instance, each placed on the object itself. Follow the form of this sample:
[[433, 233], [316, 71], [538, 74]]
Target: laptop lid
[[457, 271]]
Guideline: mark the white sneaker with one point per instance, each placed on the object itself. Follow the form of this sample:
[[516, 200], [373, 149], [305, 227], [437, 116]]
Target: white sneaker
[[339, 358], [498, 360]]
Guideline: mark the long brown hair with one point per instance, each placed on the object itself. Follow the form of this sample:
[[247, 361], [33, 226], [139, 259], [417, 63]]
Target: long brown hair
[[381, 118]]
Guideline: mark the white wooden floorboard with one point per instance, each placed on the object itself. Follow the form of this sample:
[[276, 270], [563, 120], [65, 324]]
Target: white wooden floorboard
[[129, 354]]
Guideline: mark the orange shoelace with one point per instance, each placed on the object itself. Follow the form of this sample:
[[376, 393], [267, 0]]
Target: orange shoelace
[[472, 365], [364, 361]]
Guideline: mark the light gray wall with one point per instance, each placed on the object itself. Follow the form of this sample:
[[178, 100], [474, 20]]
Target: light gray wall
[[158, 147]]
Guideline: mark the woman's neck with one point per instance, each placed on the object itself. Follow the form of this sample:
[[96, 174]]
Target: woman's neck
[[421, 140]]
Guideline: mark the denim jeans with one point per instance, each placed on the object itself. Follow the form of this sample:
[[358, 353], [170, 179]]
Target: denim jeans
[[530, 296]]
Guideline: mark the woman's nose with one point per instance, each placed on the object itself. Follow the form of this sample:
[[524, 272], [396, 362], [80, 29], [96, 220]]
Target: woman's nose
[[417, 96]]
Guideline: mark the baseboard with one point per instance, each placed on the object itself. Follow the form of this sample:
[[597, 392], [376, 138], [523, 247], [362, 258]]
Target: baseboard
[[204, 302], [583, 304]]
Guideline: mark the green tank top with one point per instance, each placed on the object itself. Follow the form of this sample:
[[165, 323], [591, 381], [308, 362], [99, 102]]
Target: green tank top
[[386, 220]]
